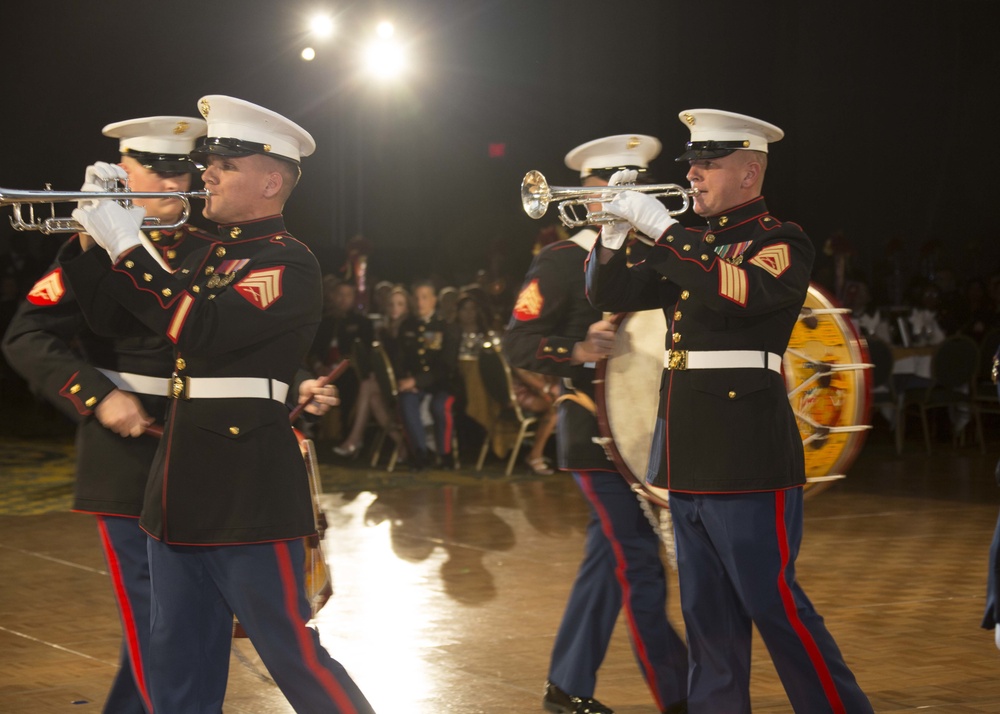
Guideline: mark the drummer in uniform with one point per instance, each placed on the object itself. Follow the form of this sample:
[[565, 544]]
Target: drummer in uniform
[[726, 446], [114, 387], [228, 503], [554, 330]]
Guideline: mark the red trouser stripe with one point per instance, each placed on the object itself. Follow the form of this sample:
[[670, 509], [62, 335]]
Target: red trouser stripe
[[620, 566], [128, 617], [788, 600], [324, 676]]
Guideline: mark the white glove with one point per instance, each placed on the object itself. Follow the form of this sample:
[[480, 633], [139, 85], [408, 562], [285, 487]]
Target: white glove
[[113, 227], [101, 177], [646, 213], [613, 234]]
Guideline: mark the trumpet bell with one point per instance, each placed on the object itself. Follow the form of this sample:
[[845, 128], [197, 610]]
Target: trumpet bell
[[535, 194]]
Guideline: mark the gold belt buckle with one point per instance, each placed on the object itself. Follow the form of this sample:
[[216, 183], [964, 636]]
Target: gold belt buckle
[[179, 387], [677, 359]]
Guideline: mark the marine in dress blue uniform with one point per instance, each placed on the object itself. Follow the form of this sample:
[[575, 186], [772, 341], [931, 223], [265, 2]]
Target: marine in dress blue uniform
[[621, 566], [227, 504], [427, 354], [63, 360], [726, 446]]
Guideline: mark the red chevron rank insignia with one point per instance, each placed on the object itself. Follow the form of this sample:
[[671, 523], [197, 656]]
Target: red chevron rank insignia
[[774, 259], [48, 290], [261, 288], [529, 302]]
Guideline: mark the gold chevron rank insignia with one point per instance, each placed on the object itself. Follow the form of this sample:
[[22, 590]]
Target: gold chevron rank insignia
[[774, 259], [48, 290], [529, 302], [732, 283], [261, 288]]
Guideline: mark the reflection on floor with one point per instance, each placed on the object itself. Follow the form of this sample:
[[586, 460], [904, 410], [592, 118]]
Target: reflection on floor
[[449, 586]]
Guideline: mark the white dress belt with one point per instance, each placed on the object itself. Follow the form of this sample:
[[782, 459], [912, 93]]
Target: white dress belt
[[235, 387], [721, 359], [137, 383]]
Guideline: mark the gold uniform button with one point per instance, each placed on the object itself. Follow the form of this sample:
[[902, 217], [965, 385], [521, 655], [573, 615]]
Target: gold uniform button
[[704, 256], [710, 238], [421, 351], [167, 292], [147, 277], [687, 247], [685, 294], [129, 264], [74, 389], [180, 363], [426, 368], [546, 349], [235, 232], [221, 251], [562, 350], [677, 315], [234, 430], [677, 337], [155, 235], [171, 254], [670, 239], [196, 288], [723, 220], [91, 402], [209, 270], [732, 395]]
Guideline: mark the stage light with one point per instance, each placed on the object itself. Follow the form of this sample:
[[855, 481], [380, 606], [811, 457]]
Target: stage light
[[384, 59], [321, 26], [308, 54], [385, 30]]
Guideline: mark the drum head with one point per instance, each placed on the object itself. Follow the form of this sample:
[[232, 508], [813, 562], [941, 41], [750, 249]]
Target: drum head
[[827, 405], [628, 390]]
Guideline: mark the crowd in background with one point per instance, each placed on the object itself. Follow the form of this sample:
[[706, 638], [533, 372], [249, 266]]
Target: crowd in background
[[909, 298]]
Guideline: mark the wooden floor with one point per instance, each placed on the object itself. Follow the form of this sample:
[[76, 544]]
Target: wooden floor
[[449, 586]]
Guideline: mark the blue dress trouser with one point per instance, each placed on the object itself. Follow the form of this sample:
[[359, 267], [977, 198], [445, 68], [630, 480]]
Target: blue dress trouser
[[124, 546], [442, 412], [196, 590], [736, 565], [621, 568]]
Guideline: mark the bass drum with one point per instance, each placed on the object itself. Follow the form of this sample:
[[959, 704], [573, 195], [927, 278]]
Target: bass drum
[[826, 375]]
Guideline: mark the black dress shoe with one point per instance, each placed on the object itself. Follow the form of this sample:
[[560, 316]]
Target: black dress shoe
[[559, 702]]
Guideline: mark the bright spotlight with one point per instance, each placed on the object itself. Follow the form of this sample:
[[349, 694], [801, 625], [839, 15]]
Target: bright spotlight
[[308, 54], [385, 30], [321, 26], [385, 59]]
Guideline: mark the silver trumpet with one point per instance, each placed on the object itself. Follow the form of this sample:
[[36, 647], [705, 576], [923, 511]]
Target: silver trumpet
[[53, 224], [536, 195]]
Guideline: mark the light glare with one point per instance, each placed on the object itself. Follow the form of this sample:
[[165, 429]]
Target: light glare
[[308, 54], [385, 59], [385, 30], [321, 25]]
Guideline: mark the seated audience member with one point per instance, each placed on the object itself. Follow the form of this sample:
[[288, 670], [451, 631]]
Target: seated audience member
[[536, 393], [371, 401], [341, 332], [448, 304], [427, 366]]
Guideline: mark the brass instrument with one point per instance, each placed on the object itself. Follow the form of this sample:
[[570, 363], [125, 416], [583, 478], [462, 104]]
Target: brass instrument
[[53, 224], [536, 195]]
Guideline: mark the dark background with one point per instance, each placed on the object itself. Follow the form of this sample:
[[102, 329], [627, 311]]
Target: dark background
[[891, 134]]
